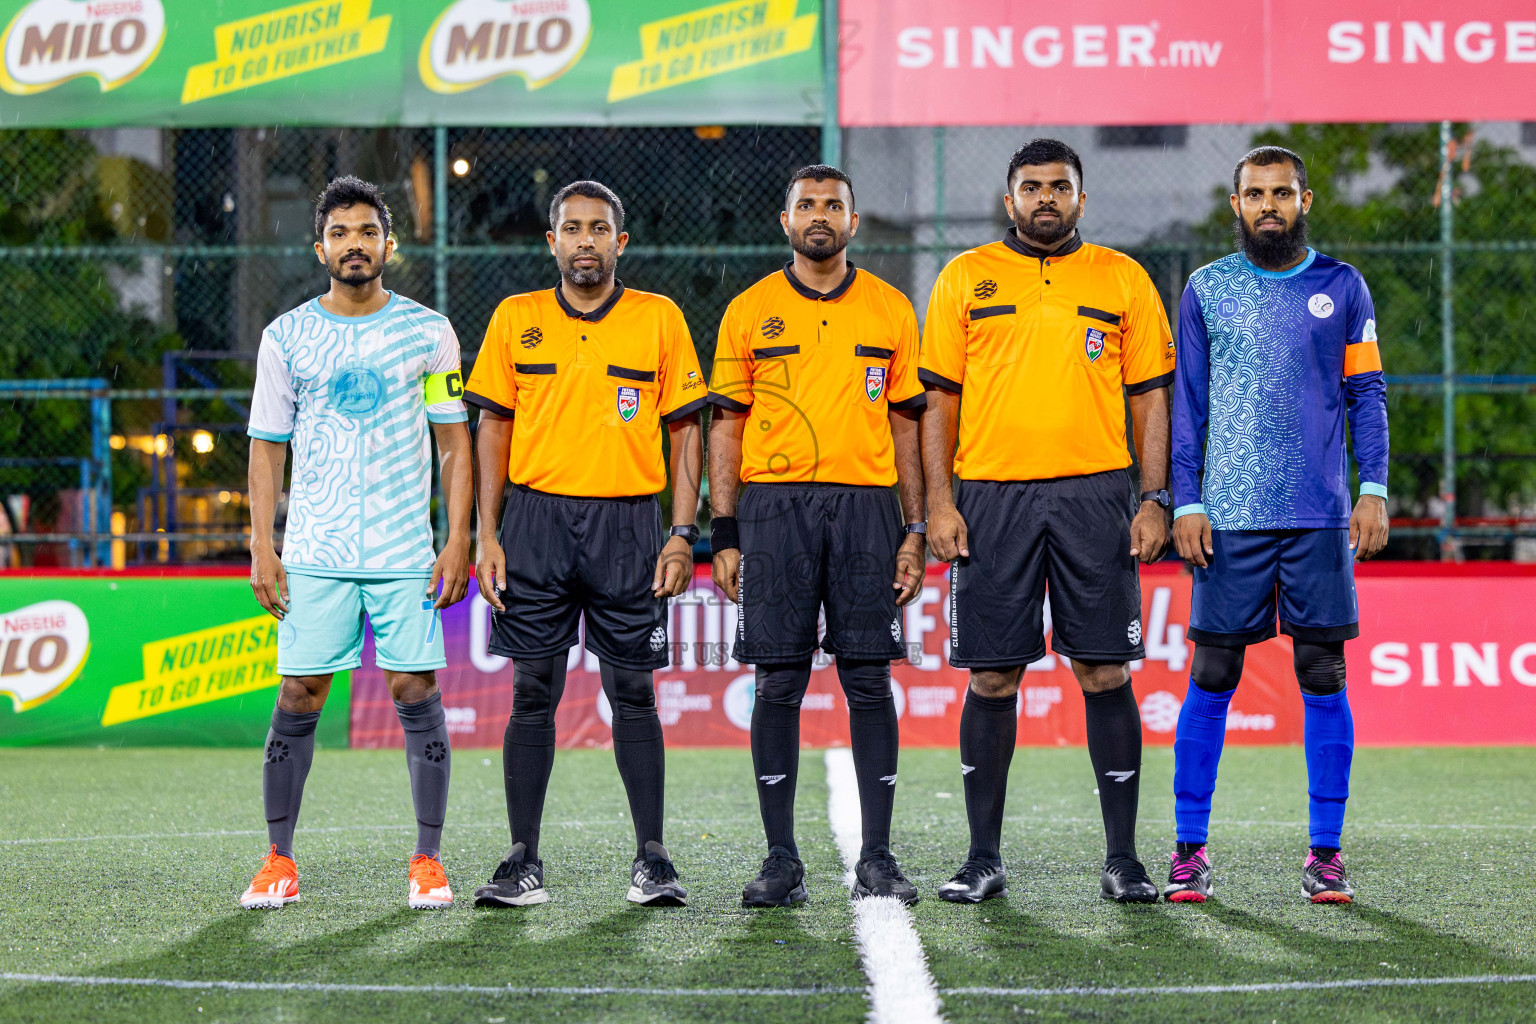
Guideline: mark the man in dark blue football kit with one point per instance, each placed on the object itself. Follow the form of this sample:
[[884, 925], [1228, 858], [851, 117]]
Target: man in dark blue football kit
[[1276, 347]]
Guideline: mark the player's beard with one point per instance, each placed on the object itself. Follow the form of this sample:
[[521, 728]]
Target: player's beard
[[585, 277], [819, 250], [1272, 250], [362, 275], [1050, 232]]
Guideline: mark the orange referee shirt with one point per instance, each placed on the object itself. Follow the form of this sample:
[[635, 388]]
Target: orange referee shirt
[[1042, 348], [588, 391], [819, 374]]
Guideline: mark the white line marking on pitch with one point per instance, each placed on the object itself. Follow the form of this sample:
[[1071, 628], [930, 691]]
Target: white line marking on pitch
[[901, 989], [1269, 986], [487, 990], [512, 990]]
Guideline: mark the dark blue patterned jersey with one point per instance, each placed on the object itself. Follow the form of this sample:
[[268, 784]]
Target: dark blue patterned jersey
[[1269, 365]]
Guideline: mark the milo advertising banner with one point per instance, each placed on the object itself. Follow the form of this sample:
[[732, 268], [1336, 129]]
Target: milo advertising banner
[[126, 660], [416, 62]]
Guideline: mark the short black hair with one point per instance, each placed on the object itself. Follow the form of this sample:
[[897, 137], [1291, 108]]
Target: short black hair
[[349, 191], [592, 190], [819, 172], [1045, 151], [1264, 156]]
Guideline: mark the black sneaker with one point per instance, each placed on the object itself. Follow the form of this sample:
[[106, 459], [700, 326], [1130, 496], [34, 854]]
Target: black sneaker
[[516, 883], [1323, 877], [976, 880], [653, 879], [1189, 877], [880, 875], [1124, 880], [780, 883]]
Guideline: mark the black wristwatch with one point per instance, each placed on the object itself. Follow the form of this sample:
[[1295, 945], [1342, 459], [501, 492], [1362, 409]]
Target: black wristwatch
[[921, 528], [689, 533], [1163, 498]]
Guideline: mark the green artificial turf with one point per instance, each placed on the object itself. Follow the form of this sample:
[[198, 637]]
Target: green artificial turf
[[143, 854]]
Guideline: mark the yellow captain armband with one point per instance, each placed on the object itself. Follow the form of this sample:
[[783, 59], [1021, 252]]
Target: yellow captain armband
[[443, 387]]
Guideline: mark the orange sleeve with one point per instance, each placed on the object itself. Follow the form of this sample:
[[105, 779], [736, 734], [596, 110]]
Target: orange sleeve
[[942, 360], [730, 379], [1146, 343], [492, 384], [904, 390], [682, 382]]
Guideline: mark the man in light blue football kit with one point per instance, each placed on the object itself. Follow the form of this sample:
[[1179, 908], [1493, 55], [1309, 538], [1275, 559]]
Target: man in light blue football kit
[[351, 380], [1276, 346]]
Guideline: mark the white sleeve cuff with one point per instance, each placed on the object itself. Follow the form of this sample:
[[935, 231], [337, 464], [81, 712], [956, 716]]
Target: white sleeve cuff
[[1186, 510]]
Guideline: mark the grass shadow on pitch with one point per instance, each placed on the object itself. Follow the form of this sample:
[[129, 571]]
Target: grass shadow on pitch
[[233, 947], [1356, 940]]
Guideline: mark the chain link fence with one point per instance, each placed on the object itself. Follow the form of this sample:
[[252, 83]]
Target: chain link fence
[[141, 265]]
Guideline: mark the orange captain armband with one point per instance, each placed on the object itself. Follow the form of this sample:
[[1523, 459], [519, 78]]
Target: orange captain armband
[[1362, 357]]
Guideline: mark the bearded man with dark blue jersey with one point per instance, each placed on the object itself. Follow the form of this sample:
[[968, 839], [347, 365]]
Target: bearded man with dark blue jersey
[[1276, 349]]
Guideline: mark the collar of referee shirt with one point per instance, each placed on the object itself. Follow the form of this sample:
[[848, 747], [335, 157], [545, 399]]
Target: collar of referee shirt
[[811, 293], [1023, 248], [598, 313]]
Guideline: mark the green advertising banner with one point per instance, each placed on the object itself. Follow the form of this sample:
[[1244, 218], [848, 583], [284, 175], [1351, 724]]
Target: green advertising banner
[[91, 63], [139, 661]]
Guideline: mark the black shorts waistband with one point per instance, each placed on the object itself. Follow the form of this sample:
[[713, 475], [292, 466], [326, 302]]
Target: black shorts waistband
[[634, 499], [1055, 479], [816, 486]]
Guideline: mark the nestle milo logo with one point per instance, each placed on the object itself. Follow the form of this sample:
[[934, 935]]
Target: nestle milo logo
[[52, 41]]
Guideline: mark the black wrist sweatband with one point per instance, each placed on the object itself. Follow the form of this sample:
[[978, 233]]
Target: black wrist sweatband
[[723, 535]]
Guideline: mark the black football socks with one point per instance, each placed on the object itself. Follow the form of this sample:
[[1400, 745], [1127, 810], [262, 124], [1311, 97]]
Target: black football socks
[[428, 759], [1114, 746], [776, 747], [989, 728], [290, 749], [873, 730], [528, 747], [638, 748]]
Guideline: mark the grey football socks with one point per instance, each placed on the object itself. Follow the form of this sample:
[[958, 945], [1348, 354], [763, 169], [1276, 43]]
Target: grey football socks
[[427, 757], [290, 749]]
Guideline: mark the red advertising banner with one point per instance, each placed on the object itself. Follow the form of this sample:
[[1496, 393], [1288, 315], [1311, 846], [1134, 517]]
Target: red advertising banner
[[1442, 659], [1006, 62]]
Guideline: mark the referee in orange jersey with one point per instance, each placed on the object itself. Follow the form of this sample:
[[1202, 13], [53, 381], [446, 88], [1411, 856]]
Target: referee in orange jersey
[[1031, 344], [816, 398], [576, 385]]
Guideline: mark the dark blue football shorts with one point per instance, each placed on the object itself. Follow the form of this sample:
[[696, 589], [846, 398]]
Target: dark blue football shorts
[[1308, 576]]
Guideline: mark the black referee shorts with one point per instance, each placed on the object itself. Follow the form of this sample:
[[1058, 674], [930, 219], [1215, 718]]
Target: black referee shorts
[[805, 547], [1072, 534], [572, 556]]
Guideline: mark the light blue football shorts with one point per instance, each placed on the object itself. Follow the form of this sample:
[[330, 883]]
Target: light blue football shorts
[[323, 631]]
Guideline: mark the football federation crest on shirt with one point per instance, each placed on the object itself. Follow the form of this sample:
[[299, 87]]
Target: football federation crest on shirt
[[357, 389], [874, 382], [629, 403], [1321, 306], [773, 327], [1094, 344]]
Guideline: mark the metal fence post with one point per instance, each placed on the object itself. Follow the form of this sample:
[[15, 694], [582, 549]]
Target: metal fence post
[[440, 218], [101, 458], [831, 131], [1448, 545], [938, 191]]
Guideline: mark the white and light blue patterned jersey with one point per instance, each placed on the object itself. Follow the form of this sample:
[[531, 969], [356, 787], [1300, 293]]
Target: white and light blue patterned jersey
[[1270, 364], [351, 395]]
